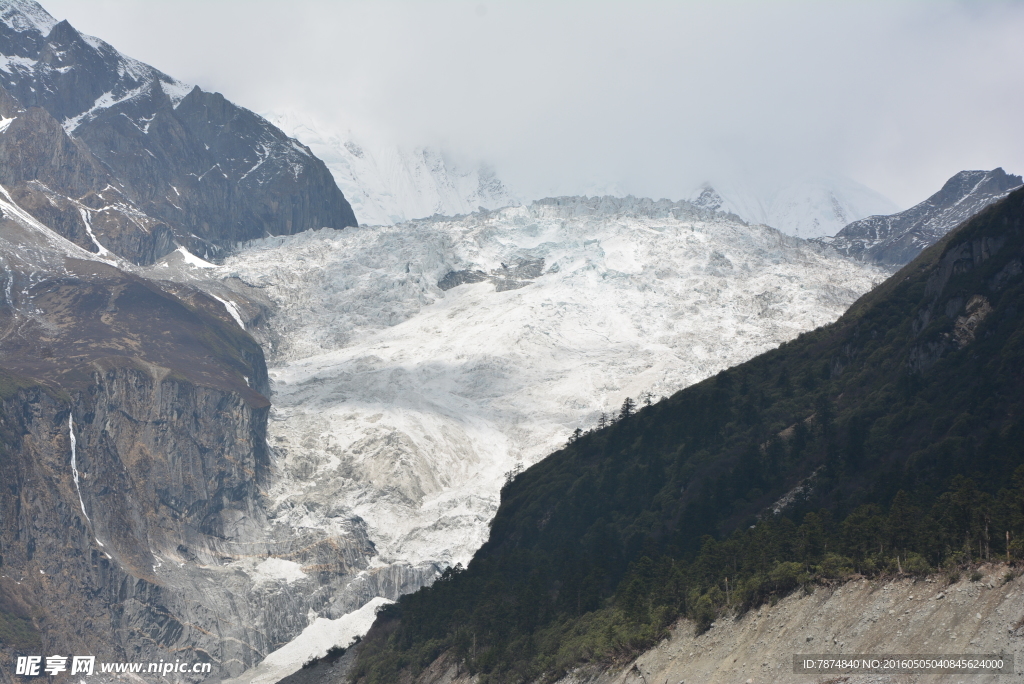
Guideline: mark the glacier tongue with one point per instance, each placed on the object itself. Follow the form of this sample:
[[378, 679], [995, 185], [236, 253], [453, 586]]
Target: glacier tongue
[[405, 404]]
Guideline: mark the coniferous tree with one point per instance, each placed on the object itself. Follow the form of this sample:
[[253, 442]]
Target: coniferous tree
[[576, 434], [628, 406]]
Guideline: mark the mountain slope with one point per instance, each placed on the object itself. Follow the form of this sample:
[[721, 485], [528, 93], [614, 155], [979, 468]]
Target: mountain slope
[[156, 163], [133, 446], [103, 480], [885, 442], [133, 413], [896, 239], [388, 184]]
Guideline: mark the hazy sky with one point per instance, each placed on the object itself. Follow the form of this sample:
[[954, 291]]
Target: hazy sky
[[658, 96]]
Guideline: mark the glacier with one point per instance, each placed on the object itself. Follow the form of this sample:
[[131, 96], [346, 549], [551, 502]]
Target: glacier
[[405, 405]]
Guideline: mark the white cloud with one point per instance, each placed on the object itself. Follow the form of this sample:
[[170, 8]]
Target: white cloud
[[655, 96]]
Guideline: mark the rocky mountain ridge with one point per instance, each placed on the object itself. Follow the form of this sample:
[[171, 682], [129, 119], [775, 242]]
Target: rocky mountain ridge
[[896, 239], [117, 155]]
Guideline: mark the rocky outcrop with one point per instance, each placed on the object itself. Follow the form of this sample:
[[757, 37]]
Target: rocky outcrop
[[896, 239], [144, 537], [125, 158], [964, 310], [505, 278], [62, 184]]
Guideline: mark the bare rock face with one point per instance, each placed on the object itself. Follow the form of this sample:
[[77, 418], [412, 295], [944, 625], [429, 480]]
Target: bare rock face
[[133, 457], [896, 239], [141, 162], [976, 310], [150, 554]]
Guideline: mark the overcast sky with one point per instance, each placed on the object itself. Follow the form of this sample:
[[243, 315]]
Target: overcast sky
[[657, 96]]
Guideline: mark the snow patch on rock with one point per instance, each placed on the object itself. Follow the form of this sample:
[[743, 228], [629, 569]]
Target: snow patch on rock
[[277, 570], [192, 260], [314, 642]]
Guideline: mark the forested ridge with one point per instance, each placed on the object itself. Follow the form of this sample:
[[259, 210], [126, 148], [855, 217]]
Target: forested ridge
[[889, 442]]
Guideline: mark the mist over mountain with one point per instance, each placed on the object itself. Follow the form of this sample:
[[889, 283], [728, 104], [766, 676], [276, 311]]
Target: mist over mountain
[[808, 207], [388, 183]]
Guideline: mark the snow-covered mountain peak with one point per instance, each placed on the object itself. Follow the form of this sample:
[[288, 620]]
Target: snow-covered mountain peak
[[26, 15], [44, 55], [388, 183], [897, 238], [707, 197], [807, 207]]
